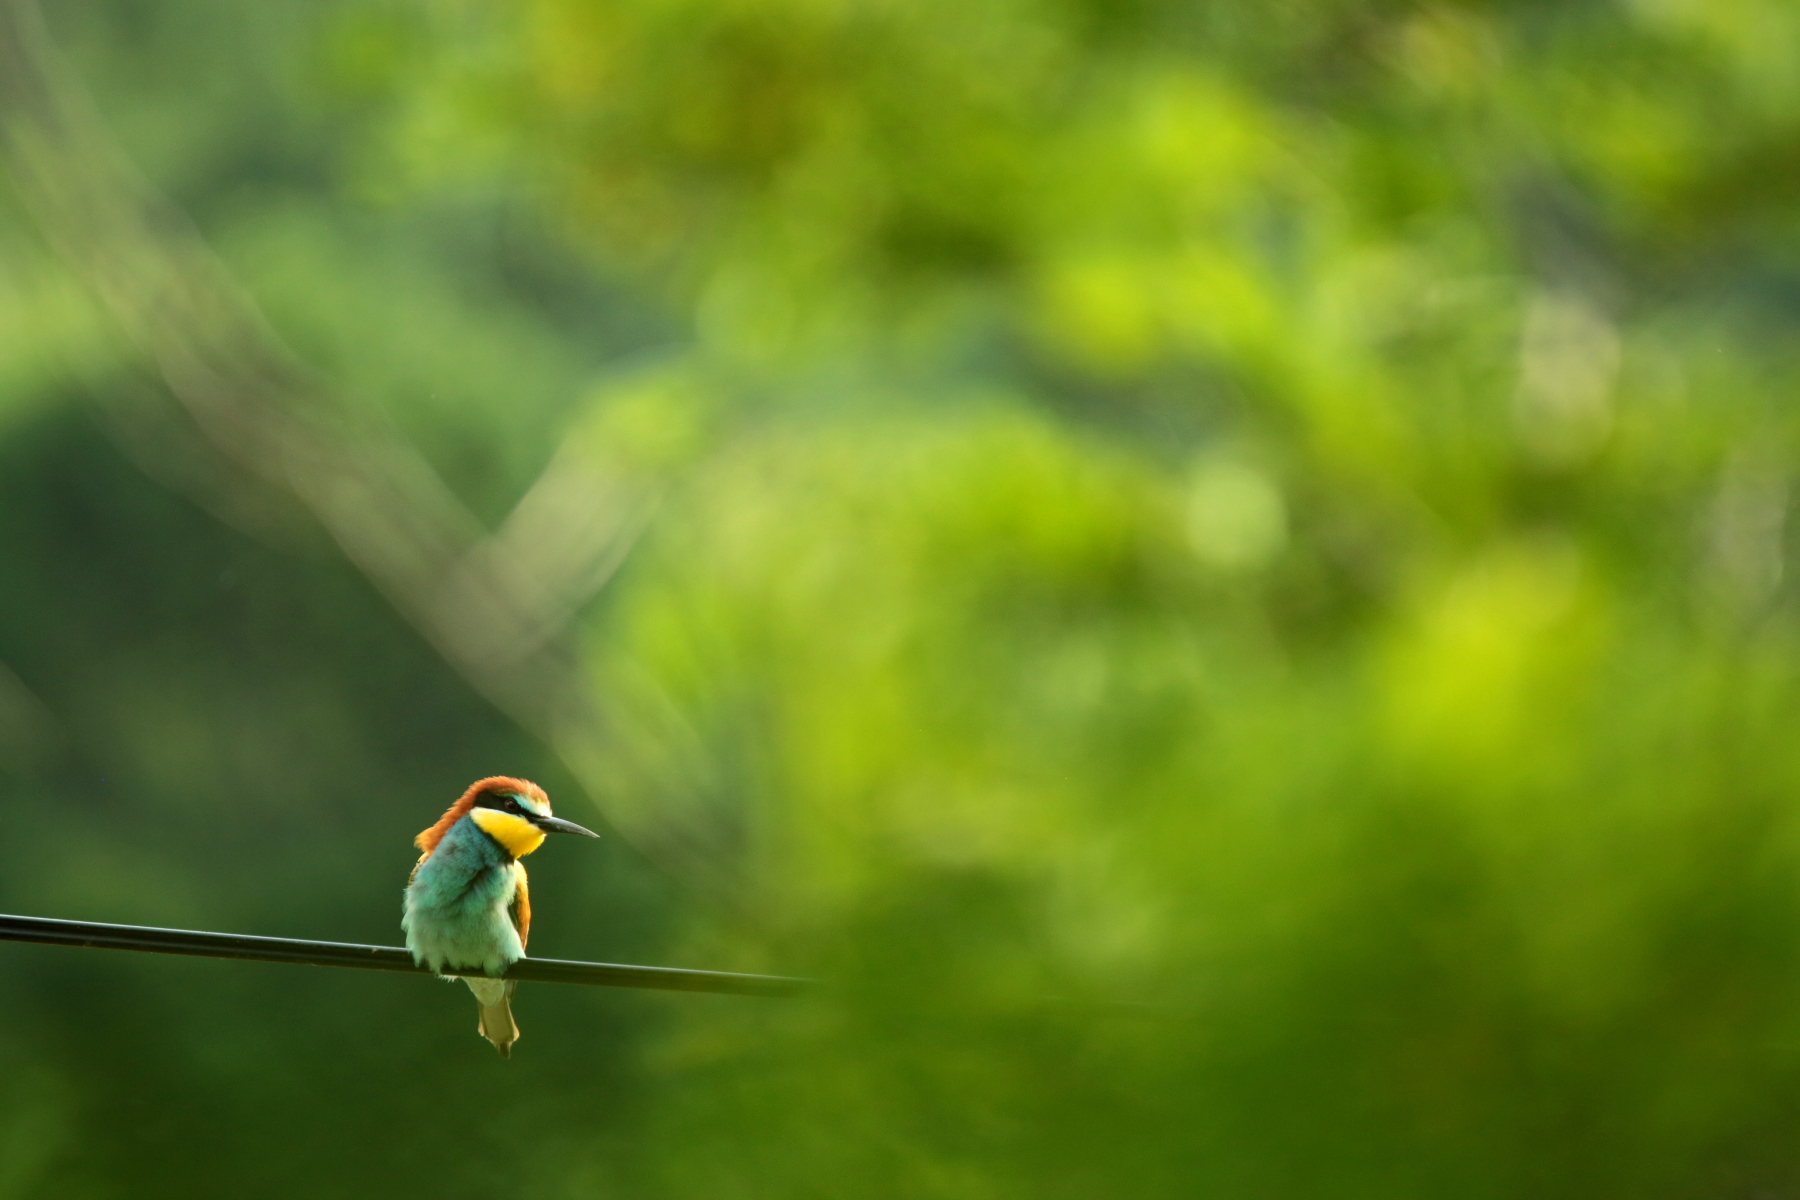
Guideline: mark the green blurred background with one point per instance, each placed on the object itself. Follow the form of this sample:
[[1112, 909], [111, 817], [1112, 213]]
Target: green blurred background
[[1216, 567]]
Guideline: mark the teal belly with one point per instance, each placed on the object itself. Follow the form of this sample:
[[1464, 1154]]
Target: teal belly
[[456, 911]]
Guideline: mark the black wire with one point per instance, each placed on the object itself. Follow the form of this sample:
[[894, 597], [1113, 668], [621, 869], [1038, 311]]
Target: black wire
[[97, 936]]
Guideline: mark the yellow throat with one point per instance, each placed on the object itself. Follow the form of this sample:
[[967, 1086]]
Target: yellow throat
[[519, 836]]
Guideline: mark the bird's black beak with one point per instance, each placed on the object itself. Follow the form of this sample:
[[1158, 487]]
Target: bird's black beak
[[558, 825]]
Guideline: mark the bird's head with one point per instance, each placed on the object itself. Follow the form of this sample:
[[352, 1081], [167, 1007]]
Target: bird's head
[[514, 812]]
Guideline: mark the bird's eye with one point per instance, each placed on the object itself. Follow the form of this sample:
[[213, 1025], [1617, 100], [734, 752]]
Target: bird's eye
[[512, 804]]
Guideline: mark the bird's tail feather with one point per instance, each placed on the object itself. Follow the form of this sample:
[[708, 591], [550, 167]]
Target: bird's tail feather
[[494, 996]]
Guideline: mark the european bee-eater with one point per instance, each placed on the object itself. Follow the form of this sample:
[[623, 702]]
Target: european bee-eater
[[466, 903]]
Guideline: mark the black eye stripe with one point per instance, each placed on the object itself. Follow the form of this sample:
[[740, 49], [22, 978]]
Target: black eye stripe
[[498, 801]]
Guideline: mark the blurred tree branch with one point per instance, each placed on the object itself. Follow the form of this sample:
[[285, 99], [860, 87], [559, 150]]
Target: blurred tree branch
[[496, 605]]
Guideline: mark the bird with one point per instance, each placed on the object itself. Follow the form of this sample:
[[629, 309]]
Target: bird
[[467, 906]]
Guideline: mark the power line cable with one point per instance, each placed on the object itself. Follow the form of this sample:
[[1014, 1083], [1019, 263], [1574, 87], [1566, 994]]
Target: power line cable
[[150, 940]]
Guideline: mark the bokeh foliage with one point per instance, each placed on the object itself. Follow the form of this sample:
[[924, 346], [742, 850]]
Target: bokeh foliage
[[1220, 575]]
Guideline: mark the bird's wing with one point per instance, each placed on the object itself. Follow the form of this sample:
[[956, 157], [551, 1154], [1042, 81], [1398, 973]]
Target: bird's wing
[[520, 911]]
